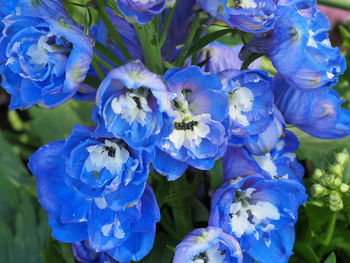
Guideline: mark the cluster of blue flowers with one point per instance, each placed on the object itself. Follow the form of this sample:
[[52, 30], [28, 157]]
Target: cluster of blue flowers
[[94, 185]]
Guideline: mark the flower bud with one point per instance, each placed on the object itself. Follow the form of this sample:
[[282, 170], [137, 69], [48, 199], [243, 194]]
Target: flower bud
[[342, 157], [317, 174], [337, 182], [336, 206], [337, 169], [344, 188], [334, 196], [318, 190]]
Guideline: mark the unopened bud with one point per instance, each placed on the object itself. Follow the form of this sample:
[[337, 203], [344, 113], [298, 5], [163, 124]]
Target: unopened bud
[[317, 174], [336, 206], [318, 190], [337, 182], [334, 196], [344, 188], [342, 157], [337, 169]]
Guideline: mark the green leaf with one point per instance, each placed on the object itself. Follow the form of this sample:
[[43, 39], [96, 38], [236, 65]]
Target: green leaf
[[161, 251], [207, 39], [12, 166], [67, 253], [82, 11], [216, 175], [319, 152], [315, 220], [200, 212], [331, 259], [56, 124]]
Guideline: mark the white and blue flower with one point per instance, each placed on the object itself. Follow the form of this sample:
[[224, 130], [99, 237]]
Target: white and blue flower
[[208, 245], [133, 104], [247, 15], [255, 211], [45, 58], [199, 134]]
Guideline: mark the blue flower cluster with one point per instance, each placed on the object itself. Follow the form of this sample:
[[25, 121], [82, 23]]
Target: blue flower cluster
[[95, 183]]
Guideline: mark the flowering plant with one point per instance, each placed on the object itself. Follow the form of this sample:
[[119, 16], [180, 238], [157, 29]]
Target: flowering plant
[[184, 131]]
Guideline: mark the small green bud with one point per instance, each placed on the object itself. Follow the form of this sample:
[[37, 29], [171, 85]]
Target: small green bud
[[334, 196], [336, 206], [318, 190], [317, 174], [342, 157], [344, 188], [337, 182], [337, 169], [328, 179]]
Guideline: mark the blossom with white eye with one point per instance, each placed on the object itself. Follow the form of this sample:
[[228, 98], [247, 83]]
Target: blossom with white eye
[[109, 156]]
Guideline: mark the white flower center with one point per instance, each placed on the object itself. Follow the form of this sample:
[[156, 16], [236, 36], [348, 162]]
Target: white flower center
[[241, 100], [245, 4], [189, 131], [245, 217], [213, 255], [131, 107], [266, 163], [113, 229], [109, 156]]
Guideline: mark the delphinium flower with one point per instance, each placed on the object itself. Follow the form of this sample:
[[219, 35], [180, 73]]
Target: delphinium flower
[[208, 245], [199, 135], [311, 63], [85, 254], [260, 213], [251, 110], [94, 189], [246, 15], [317, 113], [142, 11], [279, 163], [45, 56], [220, 57], [133, 104]]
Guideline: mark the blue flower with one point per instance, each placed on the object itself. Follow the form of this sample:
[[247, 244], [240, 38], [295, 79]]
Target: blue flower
[[84, 253], [280, 163], [45, 59], [219, 57], [317, 113], [311, 63], [133, 104], [255, 211], [199, 135], [125, 234], [142, 11], [208, 245], [251, 109], [247, 15]]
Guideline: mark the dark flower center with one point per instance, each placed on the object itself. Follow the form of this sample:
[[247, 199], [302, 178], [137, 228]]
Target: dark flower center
[[184, 126], [138, 102], [110, 150]]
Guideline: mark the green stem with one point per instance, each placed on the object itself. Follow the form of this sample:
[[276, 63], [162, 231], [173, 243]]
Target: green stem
[[98, 69], [150, 46], [102, 62], [108, 54], [111, 29], [342, 4], [182, 57], [167, 24], [330, 229]]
